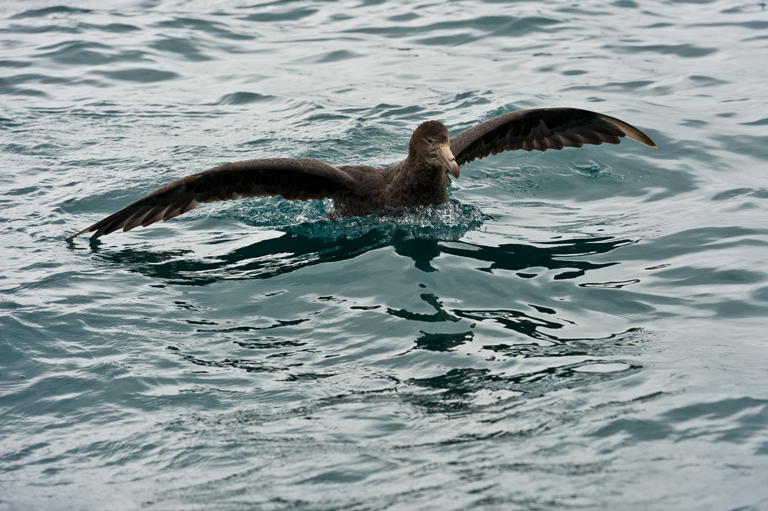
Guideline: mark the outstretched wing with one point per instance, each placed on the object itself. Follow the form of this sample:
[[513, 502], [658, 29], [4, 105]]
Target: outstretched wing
[[290, 178], [541, 129]]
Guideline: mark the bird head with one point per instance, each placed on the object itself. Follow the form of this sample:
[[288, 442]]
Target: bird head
[[430, 142]]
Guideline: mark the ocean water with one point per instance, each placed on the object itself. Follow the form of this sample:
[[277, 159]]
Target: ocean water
[[576, 329]]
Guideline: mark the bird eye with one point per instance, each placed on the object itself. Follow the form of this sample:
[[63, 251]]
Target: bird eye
[[429, 140]]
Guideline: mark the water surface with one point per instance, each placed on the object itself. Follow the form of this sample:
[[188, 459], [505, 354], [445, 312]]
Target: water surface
[[583, 329]]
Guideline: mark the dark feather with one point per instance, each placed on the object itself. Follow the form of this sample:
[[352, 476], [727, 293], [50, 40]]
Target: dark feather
[[541, 129], [291, 178]]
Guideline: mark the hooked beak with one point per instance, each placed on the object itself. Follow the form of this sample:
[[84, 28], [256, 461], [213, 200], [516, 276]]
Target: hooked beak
[[446, 158]]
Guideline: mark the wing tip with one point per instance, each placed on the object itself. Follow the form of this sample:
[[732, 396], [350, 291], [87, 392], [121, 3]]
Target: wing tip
[[96, 229], [79, 233], [629, 130], [641, 137]]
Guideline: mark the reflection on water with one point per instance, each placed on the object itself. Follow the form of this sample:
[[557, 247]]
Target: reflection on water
[[293, 343], [549, 255], [291, 252], [494, 368]]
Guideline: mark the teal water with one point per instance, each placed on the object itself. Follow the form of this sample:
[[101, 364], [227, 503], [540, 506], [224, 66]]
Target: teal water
[[583, 329]]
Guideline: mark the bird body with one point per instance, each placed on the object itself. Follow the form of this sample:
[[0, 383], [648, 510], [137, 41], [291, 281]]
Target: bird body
[[421, 179]]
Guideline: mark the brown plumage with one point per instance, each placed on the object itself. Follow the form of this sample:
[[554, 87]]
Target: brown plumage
[[419, 180]]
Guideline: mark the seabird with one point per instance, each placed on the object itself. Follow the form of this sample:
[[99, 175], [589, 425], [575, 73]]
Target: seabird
[[421, 179]]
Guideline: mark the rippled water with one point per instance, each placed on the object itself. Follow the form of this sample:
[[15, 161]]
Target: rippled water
[[583, 329]]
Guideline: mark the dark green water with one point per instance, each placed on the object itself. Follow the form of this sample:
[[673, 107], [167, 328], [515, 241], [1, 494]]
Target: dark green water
[[583, 329]]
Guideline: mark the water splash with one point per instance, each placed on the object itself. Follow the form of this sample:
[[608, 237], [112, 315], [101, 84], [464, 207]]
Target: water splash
[[445, 222]]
